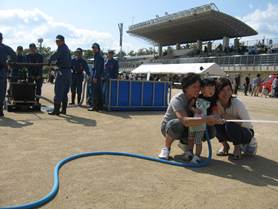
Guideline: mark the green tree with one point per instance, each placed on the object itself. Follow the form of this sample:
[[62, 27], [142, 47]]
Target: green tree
[[132, 53], [141, 52], [120, 55], [45, 51], [88, 54]]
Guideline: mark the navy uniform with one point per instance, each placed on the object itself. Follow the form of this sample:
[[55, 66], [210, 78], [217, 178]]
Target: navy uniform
[[97, 78], [63, 80], [35, 72], [111, 67], [111, 71], [18, 71], [5, 52], [79, 65], [90, 88]]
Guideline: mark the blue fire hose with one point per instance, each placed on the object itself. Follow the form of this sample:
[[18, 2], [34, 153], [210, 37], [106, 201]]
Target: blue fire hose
[[55, 188]]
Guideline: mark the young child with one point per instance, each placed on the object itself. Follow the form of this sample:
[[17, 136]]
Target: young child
[[201, 106]]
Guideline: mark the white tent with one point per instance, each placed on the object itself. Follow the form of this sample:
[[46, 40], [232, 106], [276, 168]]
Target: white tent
[[207, 69]]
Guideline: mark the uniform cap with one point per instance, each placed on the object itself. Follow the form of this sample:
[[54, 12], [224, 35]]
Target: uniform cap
[[32, 46], [95, 45], [60, 38], [79, 50], [19, 48]]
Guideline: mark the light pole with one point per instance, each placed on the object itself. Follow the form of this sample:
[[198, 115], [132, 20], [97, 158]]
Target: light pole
[[120, 25], [40, 40]]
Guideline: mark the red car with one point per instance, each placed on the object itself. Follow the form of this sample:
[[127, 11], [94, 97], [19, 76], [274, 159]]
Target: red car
[[267, 83]]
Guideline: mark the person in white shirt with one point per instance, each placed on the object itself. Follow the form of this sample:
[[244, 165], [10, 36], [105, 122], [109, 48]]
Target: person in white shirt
[[240, 134]]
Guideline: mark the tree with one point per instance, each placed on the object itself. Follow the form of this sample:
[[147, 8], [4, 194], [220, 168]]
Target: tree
[[88, 54], [141, 52], [45, 51], [132, 53], [145, 51], [120, 55]]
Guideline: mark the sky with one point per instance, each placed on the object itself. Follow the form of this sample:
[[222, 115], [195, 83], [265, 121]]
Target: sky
[[84, 22]]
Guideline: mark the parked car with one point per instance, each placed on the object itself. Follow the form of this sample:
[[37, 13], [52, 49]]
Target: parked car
[[267, 83]]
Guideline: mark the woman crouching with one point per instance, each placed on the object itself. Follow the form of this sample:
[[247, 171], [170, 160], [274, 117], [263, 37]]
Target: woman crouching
[[240, 134]]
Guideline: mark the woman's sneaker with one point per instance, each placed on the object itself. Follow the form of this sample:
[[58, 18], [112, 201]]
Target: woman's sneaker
[[164, 153], [196, 160], [251, 148], [188, 155]]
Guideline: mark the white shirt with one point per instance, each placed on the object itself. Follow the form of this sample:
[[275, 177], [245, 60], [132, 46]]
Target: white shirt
[[237, 110]]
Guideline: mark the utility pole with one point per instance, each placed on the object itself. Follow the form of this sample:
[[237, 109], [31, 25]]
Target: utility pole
[[40, 40], [120, 25]]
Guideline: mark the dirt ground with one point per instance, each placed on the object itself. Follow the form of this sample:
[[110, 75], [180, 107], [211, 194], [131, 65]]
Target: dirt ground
[[32, 143]]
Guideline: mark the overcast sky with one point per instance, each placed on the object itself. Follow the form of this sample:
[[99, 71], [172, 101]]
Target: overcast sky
[[83, 22]]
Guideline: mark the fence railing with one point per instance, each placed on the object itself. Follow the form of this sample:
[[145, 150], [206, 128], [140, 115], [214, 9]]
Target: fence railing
[[262, 59], [223, 61]]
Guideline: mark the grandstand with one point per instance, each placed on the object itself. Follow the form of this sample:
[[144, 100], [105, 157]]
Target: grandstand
[[191, 25], [190, 33]]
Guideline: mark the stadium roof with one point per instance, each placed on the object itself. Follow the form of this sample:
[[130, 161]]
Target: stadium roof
[[203, 23]]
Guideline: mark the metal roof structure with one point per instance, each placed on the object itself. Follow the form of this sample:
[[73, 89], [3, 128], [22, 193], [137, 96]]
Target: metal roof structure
[[203, 23]]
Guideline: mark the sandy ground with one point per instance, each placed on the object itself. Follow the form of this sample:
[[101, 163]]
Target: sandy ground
[[32, 143]]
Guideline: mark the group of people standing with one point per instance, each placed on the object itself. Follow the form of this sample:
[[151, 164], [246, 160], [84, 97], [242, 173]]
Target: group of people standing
[[70, 73], [190, 111]]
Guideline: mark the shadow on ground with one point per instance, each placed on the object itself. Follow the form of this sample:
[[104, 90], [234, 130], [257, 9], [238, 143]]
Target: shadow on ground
[[8, 122], [79, 120], [257, 170]]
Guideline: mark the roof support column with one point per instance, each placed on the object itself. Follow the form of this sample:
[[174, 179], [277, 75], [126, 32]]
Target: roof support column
[[199, 45], [236, 44], [209, 46], [226, 41], [160, 50]]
